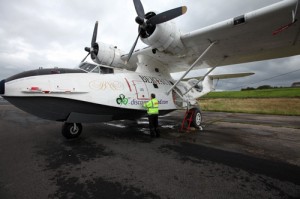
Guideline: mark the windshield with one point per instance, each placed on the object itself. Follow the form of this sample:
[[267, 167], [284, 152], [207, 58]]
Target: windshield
[[93, 68], [87, 67]]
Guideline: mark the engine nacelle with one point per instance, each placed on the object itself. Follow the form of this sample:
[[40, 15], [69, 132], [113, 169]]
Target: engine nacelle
[[166, 37], [109, 55]]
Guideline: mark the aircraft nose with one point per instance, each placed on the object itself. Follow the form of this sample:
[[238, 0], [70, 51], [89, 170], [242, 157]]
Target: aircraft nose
[[2, 87]]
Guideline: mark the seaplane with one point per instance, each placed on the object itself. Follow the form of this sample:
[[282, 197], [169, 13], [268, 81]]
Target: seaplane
[[116, 84]]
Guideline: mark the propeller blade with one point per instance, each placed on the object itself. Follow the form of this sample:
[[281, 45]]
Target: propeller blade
[[167, 15], [85, 57], [133, 47], [94, 38], [139, 9]]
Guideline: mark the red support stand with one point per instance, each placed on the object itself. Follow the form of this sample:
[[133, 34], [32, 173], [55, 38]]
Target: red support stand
[[188, 118]]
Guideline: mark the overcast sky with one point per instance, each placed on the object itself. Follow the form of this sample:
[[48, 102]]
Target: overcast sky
[[48, 33]]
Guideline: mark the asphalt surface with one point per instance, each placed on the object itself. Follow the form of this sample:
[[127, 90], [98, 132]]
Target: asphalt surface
[[235, 156]]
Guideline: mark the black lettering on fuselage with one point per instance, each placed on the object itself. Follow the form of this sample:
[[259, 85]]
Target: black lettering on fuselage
[[154, 80]]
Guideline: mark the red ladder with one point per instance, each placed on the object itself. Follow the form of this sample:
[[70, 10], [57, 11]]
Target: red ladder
[[188, 117]]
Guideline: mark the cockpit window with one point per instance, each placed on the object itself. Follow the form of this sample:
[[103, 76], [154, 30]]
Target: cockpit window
[[92, 68], [87, 67]]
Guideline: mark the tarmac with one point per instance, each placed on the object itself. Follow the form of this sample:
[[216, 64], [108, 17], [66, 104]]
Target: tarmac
[[234, 156]]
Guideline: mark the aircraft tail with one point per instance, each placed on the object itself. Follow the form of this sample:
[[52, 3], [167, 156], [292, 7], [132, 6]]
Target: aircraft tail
[[207, 85], [190, 90]]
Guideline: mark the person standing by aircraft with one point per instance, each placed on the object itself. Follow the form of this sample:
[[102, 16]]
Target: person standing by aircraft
[[152, 110]]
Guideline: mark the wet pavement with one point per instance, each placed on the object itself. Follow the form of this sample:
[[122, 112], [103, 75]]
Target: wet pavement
[[235, 156]]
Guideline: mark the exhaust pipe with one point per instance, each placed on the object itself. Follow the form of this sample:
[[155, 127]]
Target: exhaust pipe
[[2, 87]]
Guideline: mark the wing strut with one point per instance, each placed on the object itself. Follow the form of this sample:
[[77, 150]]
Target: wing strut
[[201, 79], [192, 66]]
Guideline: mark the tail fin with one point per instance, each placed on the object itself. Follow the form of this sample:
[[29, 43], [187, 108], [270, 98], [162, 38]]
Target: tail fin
[[208, 82]]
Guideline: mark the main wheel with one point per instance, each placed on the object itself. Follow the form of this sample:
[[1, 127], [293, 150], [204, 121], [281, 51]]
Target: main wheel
[[71, 130], [197, 118]]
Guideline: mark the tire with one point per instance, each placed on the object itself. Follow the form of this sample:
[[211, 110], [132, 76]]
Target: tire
[[197, 118], [70, 131]]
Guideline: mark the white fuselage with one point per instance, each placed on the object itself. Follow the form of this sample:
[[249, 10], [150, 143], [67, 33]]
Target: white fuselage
[[61, 96]]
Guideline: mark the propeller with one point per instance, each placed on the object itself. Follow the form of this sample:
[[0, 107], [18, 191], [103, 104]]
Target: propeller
[[93, 50], [147, 22]]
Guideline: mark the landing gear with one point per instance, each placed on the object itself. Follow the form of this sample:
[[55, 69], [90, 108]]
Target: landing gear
[[193, 118], [197, 118], [71, 130]]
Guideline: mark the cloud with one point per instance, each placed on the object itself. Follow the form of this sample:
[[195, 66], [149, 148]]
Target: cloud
[[279, 72], [35, 33]]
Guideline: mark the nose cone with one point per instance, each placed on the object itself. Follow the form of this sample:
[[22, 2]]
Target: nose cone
[[2, 87]]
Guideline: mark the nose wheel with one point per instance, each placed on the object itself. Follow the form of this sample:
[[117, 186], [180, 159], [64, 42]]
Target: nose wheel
[[71, 130]]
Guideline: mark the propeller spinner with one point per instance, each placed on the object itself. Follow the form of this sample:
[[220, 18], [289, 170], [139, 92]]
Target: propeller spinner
[[147, 22], [93, 50]]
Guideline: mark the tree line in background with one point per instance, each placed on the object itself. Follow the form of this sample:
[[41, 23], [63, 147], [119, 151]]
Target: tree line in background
[[261, 88], [295, 84]]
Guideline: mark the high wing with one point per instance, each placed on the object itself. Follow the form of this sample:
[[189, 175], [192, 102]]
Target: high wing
[[267, 33]]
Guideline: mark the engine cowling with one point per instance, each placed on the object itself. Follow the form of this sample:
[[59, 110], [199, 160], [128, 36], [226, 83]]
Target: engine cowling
[[166, 37], [109, 55]]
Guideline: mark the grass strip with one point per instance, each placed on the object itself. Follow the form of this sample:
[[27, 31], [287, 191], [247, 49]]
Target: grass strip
[[266, 93], [272, 106]]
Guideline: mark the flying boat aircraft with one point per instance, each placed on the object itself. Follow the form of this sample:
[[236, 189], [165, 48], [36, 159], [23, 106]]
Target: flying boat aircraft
[[117, 84]]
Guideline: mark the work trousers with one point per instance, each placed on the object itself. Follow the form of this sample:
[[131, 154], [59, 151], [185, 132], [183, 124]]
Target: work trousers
[[153, 125]]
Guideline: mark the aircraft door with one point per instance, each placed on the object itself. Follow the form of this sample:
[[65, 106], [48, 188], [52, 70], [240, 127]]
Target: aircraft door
[[141, 90]]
